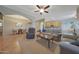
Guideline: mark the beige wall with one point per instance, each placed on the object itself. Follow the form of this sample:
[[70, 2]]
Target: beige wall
[[37, 26], [10, 24]]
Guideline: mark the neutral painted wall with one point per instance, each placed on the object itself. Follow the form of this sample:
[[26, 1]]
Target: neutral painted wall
[[10, 25]]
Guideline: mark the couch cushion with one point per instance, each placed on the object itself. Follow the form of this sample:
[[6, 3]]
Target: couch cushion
[[69, 47], [75, 43]]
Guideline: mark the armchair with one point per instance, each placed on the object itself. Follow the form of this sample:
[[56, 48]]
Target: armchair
[[31, 33]]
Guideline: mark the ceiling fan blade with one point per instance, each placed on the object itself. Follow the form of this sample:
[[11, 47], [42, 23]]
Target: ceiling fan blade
[[38, 6], [36, 11], [46, 7], [46, 11]]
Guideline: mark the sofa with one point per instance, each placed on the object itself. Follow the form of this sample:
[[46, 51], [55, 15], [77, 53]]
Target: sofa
[[69, 47]]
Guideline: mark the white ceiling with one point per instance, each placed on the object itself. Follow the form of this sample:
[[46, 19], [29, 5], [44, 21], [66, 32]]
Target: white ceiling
[[56, 12]]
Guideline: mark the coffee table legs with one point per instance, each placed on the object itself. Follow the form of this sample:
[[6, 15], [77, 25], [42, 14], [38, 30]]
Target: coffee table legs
[[49, 44]]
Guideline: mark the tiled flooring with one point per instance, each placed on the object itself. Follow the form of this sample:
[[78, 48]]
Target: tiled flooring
[[19, 44]]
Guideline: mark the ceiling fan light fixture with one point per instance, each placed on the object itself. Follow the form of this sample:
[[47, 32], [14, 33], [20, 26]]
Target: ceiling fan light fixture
[[41, 10]]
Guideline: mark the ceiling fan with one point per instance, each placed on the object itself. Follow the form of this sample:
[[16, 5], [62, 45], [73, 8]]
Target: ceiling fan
[[42, 8]]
